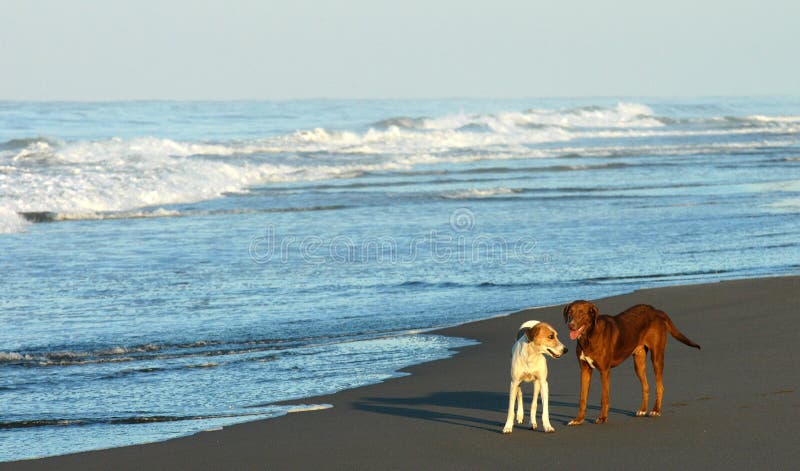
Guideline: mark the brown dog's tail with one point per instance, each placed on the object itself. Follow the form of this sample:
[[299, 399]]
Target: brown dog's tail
[[677, 333]]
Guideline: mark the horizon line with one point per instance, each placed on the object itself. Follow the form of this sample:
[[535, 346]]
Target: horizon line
[[421, 98]]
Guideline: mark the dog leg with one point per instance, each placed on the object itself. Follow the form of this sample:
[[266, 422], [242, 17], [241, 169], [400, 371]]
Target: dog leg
[[512, 395], [657, 357], [546, 407], [586, 379], [640, 364], [520, 405], [534, 403], [605, 380]]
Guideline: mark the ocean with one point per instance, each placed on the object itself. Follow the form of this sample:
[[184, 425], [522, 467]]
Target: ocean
[[173, 267]]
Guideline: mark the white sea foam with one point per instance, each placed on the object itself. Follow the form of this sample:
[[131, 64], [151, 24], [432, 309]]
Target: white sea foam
[[775, 119], [776, 186], [787, 205], [88, 178], [11, 221], [155, 213], [481, 193], [622, 115], [13, 356]]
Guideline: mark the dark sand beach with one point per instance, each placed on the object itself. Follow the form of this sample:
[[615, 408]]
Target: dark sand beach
[[732, 405]]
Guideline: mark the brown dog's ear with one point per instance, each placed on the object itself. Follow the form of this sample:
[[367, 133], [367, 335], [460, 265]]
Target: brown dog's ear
[[566, 310], [593, 312], [533, 332]]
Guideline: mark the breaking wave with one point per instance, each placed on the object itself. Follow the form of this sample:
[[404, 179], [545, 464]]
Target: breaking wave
[[45, 179]]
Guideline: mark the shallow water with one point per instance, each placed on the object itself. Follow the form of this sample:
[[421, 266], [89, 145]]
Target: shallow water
[[168, 266]]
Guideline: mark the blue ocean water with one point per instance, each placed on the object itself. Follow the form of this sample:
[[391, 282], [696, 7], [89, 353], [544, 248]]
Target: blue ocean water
[[172, 267]]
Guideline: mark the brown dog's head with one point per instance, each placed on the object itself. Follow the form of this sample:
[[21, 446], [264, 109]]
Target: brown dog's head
[[580, 317], [544, 338]]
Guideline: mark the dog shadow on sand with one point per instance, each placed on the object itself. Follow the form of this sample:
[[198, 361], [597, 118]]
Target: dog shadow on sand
[[484, 410]]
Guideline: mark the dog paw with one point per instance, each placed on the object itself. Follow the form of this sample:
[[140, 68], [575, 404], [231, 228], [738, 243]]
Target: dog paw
[[601, 420], [575, 422], [520, 419], [655, 413], [641, 413], [534, 426], [507, 429], [549, 429]]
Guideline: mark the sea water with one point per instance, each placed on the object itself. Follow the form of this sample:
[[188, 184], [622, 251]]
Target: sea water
[[173, 267]]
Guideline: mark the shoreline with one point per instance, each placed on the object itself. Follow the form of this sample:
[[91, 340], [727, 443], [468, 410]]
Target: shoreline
[[724, 406]]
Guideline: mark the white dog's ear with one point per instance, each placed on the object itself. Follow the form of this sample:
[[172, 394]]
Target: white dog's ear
[[533, 332]]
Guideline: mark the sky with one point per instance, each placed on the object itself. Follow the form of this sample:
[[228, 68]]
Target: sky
[[277, 49]]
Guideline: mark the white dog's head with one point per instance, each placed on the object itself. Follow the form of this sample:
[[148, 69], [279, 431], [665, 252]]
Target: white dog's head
[[543, 338]]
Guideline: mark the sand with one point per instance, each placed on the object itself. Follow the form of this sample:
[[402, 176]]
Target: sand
[[732, 405]]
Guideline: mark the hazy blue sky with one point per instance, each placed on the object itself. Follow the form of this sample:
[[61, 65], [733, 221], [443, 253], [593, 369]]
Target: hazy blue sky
[[192, 49]]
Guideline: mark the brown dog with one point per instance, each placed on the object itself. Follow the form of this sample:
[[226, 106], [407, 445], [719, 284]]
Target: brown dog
[[605, 341]]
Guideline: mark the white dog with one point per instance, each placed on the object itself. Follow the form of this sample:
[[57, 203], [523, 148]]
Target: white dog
[[528, 363]]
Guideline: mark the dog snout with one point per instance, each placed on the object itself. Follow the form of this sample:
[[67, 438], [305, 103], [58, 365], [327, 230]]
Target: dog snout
[[565, 350]]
